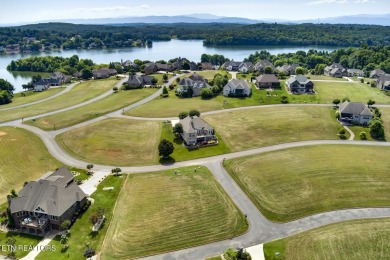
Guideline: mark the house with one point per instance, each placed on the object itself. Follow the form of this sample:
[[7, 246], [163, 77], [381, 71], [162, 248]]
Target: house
[[194, 66], [355, 112], [245, 67], [195, 81], [355, 73], [207, 66], [12, 48], [267, 81], [164, 67], [196, 131], [237, 88], [150, 68], [262, 64], [287, 69], [42, 205], [58, 78], [103, 73], [139, 81], [335, 70], [383, 82], [376, 74], [231, 65], [128, 64], [41, 85], [299, 84]]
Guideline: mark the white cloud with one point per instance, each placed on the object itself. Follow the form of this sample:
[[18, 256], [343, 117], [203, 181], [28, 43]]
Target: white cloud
[[145, 6], [365, 1], [330, 2]]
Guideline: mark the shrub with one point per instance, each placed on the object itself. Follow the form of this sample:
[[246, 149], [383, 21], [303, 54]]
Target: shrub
[[363, 135], [342, 131], [337, 115], [343, 137]]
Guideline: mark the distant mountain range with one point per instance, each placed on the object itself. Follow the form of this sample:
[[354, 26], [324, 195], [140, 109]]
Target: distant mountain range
[[382, 19]]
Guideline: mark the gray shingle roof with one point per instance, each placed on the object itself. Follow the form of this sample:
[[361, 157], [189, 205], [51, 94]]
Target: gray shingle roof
[[300, 78], [53, 195], [194, 123], [237, 84], [356, 108]]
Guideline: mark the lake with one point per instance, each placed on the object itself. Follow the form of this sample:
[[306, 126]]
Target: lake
[[163, 50]]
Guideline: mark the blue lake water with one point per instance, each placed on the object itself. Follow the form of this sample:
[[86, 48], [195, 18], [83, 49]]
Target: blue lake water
[[164, 50]]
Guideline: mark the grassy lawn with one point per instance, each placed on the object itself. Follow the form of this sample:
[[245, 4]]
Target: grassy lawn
[[169, 210], [294, 183], [245, 76], [209, 74], [259, 127], [159, 77], [323, 77], [182, 154], [22, 244], [386, 121], [356, 92], [356, 239], [115, 141], [214, 258], [358, 129], [80, 93], [81, 232], [106, 105], [31, 96], [23, 157]]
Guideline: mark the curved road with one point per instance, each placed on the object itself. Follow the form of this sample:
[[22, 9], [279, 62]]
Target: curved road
[[261, 229]]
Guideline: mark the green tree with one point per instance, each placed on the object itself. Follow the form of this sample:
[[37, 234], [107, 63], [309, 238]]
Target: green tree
[[336, 101], [115, 89], [206, 93], [230, 254], [65, 225], [268, 70], [177, 129], [165, 92], [89, 166], [93, 218], [153, 81], [370, 102], [194, 112], [116, 171], [363, 135], [376, 128], [299, 71], [165, 148], [11, 242], [183, 115], [165, 77], [14, 194], [86, 73]]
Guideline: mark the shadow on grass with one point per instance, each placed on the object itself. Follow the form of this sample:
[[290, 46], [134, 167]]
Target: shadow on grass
[[167, 161]]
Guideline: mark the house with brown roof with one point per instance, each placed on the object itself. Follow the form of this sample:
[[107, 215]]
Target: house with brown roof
[[196, 131], [103, 73], [267, 81], [42, 205], [355, 112]]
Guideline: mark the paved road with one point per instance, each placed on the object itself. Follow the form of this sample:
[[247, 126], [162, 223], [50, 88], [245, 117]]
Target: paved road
[[67, 88]]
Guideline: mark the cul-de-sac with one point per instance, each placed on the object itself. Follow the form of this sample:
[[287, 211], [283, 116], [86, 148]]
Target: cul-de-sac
[[198, 131]]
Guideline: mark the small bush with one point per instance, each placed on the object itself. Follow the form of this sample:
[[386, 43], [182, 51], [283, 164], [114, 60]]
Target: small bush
[[342, 131], [363, 135], [343, 137]]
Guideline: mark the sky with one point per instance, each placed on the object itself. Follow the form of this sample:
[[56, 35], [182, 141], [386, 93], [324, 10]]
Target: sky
[[27, 11]]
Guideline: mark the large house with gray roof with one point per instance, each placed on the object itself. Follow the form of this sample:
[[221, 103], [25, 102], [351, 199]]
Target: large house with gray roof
[[237, 88], [355, 112], [383, 82], [262, 64], [138, 81], [287, 69], [299, 85], [196, 131], [196, 82], [56, 79], [376, 74], [335, 70], [42, 205]]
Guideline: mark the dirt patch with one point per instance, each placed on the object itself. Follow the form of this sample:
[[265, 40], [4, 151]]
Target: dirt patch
[[44, 122], [2, 134]]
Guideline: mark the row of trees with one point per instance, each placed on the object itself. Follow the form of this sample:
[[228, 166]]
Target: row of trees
[[365, 57], [6, 92]]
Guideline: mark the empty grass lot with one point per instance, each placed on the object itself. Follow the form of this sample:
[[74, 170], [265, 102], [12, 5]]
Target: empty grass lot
[[23, 157], [115, 141], [166, 211], [80, 93], [104, 106], [323, 77], [356, 92], [31, 96], [294, 183], [182, 154], [356, 239], [258, 127], [81, 231], [386, 121]]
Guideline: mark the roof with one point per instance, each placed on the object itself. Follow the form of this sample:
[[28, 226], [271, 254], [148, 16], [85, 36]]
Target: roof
[[263, 64], [384, 78], [287, 67], [237, 84], [195, 81], [357, 71], [377, 72], [355, 108], [300, 78], [267, 78], [52, 195], [139, 79], [193, 123]]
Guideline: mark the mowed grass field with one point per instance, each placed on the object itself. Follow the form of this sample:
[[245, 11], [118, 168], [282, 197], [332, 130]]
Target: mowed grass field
[[115, 141], [80, 93], [23, 157], [246, 129], [81, 231], [294, 183], [31, 96], [357, 239], [356, 92], [104, 106], [386, 121], [165, 211]]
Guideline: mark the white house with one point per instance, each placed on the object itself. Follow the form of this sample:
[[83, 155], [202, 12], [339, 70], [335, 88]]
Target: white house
[[237, 87], [355, 112], [245, 67], [195, 131], [41, 85]]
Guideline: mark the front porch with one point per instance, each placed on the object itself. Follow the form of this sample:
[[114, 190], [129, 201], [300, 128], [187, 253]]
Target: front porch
[[35, 226]]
